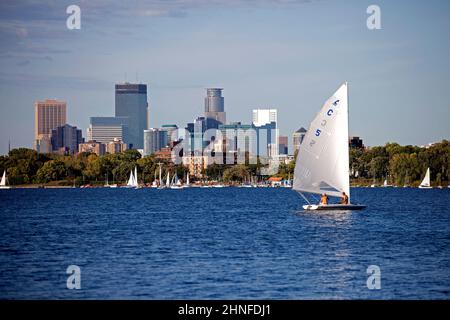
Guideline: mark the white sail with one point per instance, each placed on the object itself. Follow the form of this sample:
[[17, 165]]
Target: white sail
[[187, 179], [323, 159], [168, 180], [3, 182], [130, 182], [160, 179], [426, 181], [178, 182], [135, 177], [385, 183]]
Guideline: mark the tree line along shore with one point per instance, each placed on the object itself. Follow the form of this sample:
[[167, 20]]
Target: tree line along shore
[[399, 165]]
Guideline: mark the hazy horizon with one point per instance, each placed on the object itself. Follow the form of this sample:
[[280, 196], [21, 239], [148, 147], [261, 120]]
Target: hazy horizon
[[284, 54]]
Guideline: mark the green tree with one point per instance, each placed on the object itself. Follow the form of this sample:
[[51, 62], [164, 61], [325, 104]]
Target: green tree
[[236, 173], [52, 170]]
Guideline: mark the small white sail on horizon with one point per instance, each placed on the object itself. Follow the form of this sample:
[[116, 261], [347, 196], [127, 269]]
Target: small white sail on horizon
[[425, 184], [322, 164], [136, 183], [3, 181], [132, 181], [168, 180]]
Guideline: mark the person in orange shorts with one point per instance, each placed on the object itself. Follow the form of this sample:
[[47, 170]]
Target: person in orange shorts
[[324, 199]]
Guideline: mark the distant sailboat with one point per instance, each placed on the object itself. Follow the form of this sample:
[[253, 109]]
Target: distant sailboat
[[3, 182], [107, 185], [176, 183], [187, 181], [385, 184], [322, 164], [155, 182], [132, 181], [135, 178], [168, 180], [425, 184]]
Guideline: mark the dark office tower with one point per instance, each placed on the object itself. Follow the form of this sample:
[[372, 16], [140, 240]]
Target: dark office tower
[[214, 108], [65, 139], [131, 102]]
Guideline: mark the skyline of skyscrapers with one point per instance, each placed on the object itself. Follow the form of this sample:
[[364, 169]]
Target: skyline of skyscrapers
[[131, 115]]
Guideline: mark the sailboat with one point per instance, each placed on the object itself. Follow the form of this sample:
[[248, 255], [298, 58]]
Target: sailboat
[[176, 183], [322, 164], [107, 185], [155, 182], [187, 185], [132, 181], [138, 186], [425, 184], [3, 182], [168, 180], [385, 183]]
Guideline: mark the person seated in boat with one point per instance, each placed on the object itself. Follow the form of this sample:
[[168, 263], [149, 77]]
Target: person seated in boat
[[344, 198], [324, 199]]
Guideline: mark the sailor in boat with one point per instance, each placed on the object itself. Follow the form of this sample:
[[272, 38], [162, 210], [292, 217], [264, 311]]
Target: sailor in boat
[[324, 199], [344, 198]]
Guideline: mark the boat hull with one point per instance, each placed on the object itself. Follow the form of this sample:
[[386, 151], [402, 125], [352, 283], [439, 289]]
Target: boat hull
[[329, 207]]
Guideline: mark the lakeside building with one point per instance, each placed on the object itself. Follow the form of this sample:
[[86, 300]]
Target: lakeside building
[[92, 147], [282, 145], [48, 115], [107, 129], [154, 140], [297, 138], [116, 146], [65, 139], [355, 142], [172, 132], [265, 123], [197, 164], [238, 142], [261, 117]]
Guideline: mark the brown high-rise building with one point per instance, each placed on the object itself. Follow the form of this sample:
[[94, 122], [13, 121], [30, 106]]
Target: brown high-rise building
[[48, 115]]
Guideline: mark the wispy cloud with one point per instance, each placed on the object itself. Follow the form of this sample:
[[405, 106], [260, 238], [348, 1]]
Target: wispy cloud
[[33, 27]]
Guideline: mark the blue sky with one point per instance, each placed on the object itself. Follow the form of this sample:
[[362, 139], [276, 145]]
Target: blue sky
[[286, 54]]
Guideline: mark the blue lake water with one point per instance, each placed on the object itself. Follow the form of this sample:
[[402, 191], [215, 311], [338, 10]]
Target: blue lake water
[[230, 243]]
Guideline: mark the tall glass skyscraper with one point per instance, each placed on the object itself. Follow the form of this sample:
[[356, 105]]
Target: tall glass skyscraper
[[131, 102], [154, 140], [214, 108]]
